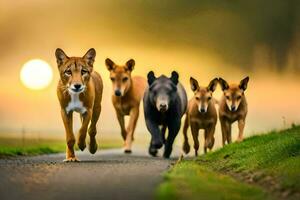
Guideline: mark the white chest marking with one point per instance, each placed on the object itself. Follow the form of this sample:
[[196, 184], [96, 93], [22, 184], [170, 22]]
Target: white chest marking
[[75, 104]]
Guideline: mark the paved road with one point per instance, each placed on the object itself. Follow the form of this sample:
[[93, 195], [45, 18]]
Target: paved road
[[109, 174]]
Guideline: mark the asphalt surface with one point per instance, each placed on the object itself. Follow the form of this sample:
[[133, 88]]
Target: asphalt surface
[[109, 174]]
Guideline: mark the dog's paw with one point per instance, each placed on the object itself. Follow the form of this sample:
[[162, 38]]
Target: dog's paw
[[127, 151], [240, 139], [186, 147], [93, 146], [71, 159], [81, 145], [209, 143], [124, 134]]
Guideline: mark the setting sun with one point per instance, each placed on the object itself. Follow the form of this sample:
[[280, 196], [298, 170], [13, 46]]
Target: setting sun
[[36, 74]]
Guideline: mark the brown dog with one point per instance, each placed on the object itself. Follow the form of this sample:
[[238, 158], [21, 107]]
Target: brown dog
[[128, 92], [233, 107], [79, 89], [201, 114]]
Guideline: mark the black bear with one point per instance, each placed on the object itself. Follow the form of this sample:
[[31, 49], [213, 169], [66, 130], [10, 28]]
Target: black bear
[[165, 102]]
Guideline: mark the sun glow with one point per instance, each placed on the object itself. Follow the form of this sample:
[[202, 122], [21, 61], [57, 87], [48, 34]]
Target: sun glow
[[36, 74]]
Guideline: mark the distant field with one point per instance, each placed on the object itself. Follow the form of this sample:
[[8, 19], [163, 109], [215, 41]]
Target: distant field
[[262, 167], [14, 146]]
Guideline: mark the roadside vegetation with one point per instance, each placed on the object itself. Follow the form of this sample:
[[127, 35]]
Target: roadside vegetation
[[14, 146], [264, 166]]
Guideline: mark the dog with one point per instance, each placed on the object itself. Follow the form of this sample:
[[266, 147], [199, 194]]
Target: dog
[[233, 107], [165, 102], [201, 114], [79, 89], [127, 94]]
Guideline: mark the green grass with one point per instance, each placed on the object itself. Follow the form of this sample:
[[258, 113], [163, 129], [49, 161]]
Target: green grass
[[271, 161], [188, 180], [13, 146]]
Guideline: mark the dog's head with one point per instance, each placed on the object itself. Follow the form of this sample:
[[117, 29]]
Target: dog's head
[[162, 90], [75, 72], [120, 76], [203, 95], [234, 93]]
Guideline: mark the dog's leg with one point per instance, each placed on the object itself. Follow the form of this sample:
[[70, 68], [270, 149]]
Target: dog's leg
[[86, 118], [228, 131], [224, 132], [93, 129], [212, 137], [173, 131], [195, 132], [134, 115], [70, 138], [209, 138], [205, 140], [241, 125], [122, 125], [186, 146]]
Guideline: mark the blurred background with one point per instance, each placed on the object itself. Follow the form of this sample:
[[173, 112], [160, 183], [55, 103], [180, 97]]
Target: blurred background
[[204, 39]]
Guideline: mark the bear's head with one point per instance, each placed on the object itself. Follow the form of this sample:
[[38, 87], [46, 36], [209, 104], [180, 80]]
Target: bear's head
[[162, 90]]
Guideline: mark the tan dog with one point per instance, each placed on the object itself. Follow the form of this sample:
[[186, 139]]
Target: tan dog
[[201, 114], [233, 107], [79, 89], [128, 92]]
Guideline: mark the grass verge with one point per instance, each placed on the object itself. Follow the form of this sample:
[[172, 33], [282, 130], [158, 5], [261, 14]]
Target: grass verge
[[188, 180], [14, 147], [270, 161]]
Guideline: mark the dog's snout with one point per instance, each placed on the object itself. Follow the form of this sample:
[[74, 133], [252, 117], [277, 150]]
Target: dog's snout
[[202, 110], [233, 108], [118, 93], [77, 86]]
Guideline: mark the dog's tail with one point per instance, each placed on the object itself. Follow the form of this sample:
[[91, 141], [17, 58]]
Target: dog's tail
[[186, 146]]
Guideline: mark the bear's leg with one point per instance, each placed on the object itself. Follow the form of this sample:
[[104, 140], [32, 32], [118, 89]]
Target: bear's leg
[[173, 131], [153, 128], [163, 133], [152, 150]]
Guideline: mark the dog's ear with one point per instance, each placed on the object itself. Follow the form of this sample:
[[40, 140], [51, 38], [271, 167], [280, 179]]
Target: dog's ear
[[174, 77], [61, 56], [151, 77], [89, 57], [213, 85], [244, 83], [194, 84], [110, 65], [130, 64], [224, 84]]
